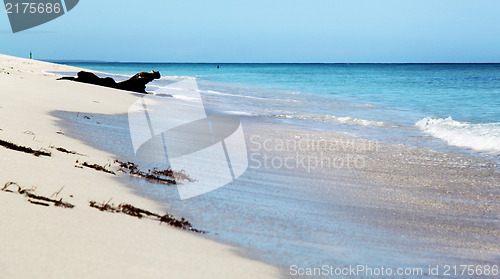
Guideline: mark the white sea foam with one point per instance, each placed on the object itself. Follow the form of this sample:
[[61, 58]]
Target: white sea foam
[[332, 118], [212, 92], [358, 121], [240, 96], [480, 137], [186, 98], [175, 78], [241, 113]]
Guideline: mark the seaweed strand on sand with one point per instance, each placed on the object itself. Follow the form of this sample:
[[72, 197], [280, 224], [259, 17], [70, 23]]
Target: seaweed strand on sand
[[140, 213], [164, 176], [29, 150], [33, 198]]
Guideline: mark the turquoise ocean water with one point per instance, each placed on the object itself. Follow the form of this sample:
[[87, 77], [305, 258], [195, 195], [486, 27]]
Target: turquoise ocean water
[[445, 107], [452, 106]]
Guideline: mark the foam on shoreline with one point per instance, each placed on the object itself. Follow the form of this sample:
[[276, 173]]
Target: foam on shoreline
[[480, 137]]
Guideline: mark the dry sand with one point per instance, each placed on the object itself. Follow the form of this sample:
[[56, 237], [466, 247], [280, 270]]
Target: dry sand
[[82, 242]]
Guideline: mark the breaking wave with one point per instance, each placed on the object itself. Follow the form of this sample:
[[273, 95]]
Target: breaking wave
[[480, 137]]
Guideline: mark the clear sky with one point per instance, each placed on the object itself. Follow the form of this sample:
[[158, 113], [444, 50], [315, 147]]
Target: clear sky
[[266, 31]]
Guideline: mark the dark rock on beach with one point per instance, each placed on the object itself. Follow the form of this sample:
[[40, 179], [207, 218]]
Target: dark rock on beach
[[137, 83]]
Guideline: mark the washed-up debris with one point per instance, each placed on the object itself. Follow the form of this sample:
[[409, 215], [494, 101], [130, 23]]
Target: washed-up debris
[[103, 206], [137, 83], [95, 167], [140, 213], [64, 150], [29, 150], [165, 176], [33, 198]]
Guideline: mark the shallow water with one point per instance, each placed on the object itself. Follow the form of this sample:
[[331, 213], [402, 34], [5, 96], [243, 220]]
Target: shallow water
[[377, 101], [274, 213], [292, 216], [281, 216]]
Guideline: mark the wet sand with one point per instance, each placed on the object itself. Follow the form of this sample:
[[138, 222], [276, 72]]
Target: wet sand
[[368, 203], [437, 208]]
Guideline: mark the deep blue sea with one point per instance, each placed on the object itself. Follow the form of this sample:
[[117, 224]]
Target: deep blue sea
[[450, 107]]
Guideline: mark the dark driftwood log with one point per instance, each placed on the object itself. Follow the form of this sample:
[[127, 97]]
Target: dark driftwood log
[[136, 83]]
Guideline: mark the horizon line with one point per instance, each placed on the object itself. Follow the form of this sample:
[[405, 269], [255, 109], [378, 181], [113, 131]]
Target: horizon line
[[170, 62]]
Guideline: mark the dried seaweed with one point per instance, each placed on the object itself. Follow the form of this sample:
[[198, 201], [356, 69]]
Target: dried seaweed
[[133, 170], [95, 167], [103, 206], [162, 176], [12, 146], [140, 213], [38, 203], [182, 223], [134, 211], [64, 150], [58, 203], [36, 199]]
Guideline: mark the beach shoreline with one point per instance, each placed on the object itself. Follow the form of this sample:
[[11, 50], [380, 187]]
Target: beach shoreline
[[42, 241], [309, 197], [424, 206]]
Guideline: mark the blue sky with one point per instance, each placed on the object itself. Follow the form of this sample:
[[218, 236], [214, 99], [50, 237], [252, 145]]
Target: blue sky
[[266, 31]]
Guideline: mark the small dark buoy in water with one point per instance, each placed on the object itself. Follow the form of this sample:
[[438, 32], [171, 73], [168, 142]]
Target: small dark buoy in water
[[217, 66]]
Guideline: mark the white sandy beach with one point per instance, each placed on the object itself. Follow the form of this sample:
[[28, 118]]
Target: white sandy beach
[[82, 242]]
